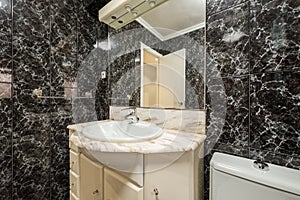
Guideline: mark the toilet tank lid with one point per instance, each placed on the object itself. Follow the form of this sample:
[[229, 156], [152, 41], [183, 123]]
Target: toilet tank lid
[[282, 178]]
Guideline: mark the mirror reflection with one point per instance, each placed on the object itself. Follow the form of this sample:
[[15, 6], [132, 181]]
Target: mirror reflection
[[162, 78]]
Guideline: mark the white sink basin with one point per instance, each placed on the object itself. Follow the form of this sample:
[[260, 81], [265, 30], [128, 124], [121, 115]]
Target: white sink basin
[[122, 131]]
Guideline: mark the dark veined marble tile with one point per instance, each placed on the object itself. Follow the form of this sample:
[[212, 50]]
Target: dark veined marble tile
[[207, 159], [31, 157], [31, 60], [27, 106], [194, 89], [63, 75], [228, 42], [5, 53], [235, 131], [63, 22], [31, 18], [93, 6], [275, 30], [231, 149], [275, 112], [83, 110], [214, 6], [5, 148], [216, 106], [5, 17], [87, 26], [92, 60], [59, 164], [31, 47], [101, 100], [231, 98], [63, 44], [89, 72], [31, 152], [122, 76], [287, 160], [127, 40]]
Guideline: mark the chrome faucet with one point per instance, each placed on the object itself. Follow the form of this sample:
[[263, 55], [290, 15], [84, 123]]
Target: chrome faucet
[[132, 116]]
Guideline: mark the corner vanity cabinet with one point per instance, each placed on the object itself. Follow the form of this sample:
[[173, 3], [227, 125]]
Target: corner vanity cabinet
[[177, 179]]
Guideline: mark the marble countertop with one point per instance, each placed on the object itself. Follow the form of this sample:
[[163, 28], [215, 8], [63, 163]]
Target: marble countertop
[[170, 141]]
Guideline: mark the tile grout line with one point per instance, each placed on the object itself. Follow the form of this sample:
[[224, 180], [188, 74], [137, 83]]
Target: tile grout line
[[12, 97]]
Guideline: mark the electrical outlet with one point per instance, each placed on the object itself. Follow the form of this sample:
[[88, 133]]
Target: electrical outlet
[[103, 74]]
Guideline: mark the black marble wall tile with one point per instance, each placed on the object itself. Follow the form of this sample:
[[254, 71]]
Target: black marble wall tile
[[228, 111], [275, 112], [5, 148], [235, 130], [101, 100], [228, 42], [122, 77], [287, 160], [31, 18], [31, 44], [206, 174], [31, 62], [214, 6], [275, 41], [87, 26], [31, 157], [216, 106], [89, 73], [31, 128], [83, 110], [6, 105], [5, 52], [63, 44], [59, 164], [194, 89]]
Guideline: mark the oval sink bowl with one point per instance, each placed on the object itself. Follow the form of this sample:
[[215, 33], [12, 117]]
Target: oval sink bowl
[[122, 131]]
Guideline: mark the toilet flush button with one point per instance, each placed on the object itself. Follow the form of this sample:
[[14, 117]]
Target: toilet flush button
[[261, 165]]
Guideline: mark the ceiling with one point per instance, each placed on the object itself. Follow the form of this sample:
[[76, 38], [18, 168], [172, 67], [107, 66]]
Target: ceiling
[[174, 17]]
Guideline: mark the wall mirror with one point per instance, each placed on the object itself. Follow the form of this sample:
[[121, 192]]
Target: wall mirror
[[161, 63]]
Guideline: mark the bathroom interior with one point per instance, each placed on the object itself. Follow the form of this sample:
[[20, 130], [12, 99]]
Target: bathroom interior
[[232, 104]]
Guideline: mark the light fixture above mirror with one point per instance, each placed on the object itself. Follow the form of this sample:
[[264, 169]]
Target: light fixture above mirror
[[165, 19]]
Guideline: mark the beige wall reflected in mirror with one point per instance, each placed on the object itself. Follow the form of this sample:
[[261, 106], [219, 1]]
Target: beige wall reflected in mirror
[[162, 79]]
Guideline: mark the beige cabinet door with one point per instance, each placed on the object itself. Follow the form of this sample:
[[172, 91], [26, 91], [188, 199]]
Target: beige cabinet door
[[91, 179], [171, 79], [169, 177], [117, 187]]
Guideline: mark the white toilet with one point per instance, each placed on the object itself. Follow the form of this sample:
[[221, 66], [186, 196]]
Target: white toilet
[[236, 178]]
